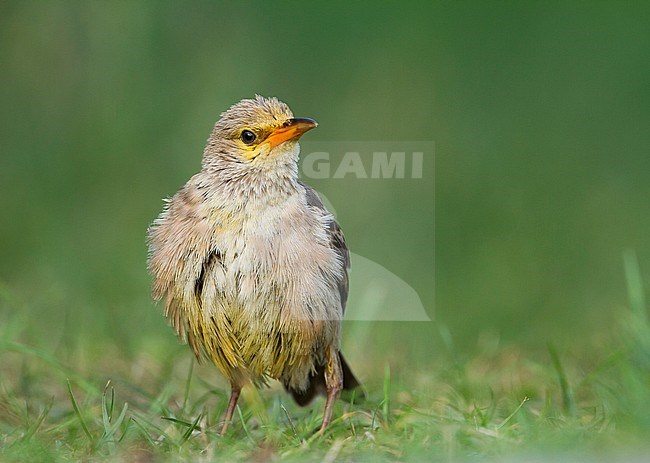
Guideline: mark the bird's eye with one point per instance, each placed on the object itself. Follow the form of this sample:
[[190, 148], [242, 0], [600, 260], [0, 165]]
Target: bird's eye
[[248, 137]]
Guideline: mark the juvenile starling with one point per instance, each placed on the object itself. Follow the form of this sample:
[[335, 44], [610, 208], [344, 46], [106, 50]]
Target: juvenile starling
[[250, 264]]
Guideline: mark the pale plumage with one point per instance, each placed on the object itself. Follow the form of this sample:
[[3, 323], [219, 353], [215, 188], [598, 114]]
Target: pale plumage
[[251, 266]]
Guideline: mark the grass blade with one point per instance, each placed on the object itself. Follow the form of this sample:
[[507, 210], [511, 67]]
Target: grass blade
[[188, 383], [160, 431], [386, 402], [187, 424], [243, 424], [509, 417], [119, 420], [78, 413], [194, 426], [144, 432], [635, 285], [568, 398], [32, 429], [106, 413]]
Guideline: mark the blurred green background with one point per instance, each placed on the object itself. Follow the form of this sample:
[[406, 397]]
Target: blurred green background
[[539, 113]]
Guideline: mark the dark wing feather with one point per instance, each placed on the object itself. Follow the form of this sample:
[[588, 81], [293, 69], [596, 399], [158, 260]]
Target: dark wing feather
[[337, 241]]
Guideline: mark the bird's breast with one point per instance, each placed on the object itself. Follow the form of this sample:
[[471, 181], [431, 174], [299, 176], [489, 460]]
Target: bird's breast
[[278, 263]]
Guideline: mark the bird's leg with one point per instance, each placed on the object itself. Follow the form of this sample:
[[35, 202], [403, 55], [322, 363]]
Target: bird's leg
[[333, 384], [232, 403]]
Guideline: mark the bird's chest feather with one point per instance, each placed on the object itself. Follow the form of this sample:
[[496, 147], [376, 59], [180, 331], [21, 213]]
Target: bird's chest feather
[[276, 266]]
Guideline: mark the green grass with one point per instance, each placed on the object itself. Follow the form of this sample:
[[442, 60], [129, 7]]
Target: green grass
[[150, 401], [503, 401]]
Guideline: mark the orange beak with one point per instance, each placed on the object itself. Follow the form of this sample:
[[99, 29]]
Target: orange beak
[[292, 129]]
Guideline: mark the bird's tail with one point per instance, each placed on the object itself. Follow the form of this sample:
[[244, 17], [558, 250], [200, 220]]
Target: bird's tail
[[317, 383]]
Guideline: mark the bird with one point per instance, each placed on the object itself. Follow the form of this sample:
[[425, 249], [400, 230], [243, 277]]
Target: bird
[[251, 266]]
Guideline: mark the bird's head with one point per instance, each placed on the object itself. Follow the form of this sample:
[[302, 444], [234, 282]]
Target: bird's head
[[257, 131]]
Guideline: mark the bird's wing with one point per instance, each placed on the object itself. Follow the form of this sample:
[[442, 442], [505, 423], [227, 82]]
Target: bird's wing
[[337, 241], [181, 254]]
